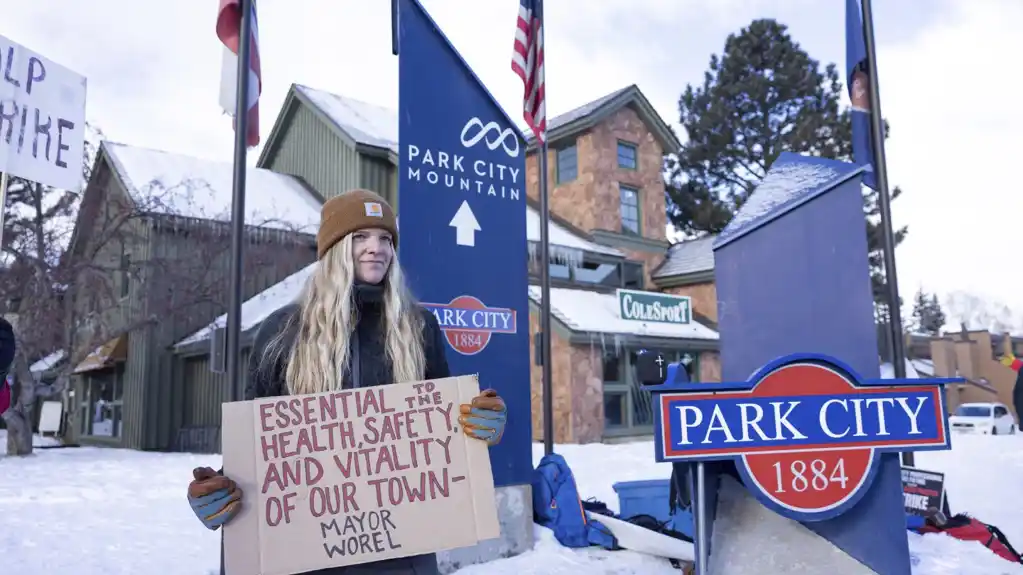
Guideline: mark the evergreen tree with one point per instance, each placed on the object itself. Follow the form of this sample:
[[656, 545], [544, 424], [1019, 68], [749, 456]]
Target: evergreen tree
[[928, 317], [764, 95], [935, 318]]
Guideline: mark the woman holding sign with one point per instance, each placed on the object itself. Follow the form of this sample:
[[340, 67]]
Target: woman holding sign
[[355, 325]]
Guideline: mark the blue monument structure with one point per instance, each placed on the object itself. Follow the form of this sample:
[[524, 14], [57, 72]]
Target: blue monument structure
[[462, 214], [798, 460]]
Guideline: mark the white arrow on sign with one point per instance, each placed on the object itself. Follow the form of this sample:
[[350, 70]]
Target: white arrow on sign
[[465, 225]]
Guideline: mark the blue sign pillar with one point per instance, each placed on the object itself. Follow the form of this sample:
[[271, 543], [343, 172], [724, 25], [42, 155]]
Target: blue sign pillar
[[462, 205], [793, 282]]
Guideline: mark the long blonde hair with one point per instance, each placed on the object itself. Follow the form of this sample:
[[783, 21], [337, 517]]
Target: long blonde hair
[[320, 355]]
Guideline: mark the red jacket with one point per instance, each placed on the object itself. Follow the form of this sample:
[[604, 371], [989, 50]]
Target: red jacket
[[5, 396]]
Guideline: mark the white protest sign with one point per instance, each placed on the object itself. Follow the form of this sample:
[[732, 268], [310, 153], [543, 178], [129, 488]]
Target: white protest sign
[[42, 118], [355, 476]]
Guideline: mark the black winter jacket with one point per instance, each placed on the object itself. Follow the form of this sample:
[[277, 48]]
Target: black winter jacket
[[369, 367]]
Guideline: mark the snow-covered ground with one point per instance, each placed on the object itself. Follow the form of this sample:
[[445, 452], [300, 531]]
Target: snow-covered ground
[[85, 511]]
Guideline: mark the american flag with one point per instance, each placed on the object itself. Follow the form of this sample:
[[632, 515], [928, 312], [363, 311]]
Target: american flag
[[527, 63], [228, 30]]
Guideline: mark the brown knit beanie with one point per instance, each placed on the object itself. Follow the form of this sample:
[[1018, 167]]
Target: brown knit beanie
[[352, 211]]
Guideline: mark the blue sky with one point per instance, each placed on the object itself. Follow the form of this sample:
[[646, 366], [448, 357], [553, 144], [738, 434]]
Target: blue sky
[[947, 76]]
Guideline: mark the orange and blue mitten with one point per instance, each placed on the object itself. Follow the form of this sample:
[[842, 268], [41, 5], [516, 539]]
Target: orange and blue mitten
[[484, 418]]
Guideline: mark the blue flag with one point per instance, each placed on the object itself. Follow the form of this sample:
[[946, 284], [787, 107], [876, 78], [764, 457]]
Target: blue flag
[[857, 79]]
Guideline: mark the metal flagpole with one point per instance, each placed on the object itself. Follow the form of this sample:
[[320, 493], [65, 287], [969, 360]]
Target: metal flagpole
[[394, 27], [700, 520], [241, 130], [241, 118], [3, 204], [885, 202], [545, 281]]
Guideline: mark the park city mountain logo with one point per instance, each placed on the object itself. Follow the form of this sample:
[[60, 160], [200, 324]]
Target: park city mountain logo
[[468, 323], [468, 169], [492, 135]]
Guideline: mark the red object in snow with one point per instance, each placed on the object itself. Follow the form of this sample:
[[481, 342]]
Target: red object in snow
[[969, 529]]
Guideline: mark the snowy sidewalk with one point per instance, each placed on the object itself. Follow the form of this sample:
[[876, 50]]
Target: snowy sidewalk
[[86, 511]]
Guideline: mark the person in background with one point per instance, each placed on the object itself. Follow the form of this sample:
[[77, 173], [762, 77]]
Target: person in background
[[7, 350], [355, 325], [1015, 364]]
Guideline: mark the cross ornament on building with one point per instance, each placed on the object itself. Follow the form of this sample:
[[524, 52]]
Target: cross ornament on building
[[660, 365]]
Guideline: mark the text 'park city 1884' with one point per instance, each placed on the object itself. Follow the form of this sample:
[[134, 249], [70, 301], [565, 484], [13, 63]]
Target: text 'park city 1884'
[[804, 432], [468, 170]]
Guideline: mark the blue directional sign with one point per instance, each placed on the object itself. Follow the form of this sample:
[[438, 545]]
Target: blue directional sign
[[462, 200], [805, 432]]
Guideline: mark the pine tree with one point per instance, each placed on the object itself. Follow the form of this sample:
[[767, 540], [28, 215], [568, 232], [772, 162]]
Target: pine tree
[[762, 96], [935, 319]]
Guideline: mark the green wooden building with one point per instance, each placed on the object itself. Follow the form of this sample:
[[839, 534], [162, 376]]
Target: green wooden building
[[151, 252]]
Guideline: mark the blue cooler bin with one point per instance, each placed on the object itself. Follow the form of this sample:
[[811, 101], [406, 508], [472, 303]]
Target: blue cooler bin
[[650, 497]]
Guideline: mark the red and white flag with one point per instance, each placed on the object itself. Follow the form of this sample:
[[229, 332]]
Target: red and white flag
[[229, 31], [527, 63]]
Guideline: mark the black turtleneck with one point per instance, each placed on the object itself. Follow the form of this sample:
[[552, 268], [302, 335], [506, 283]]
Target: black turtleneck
[[368, 366]]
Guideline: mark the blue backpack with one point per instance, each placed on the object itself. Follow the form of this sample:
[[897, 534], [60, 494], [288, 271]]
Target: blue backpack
[[557, 506]]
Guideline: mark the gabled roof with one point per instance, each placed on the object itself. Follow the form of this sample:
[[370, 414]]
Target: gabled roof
[[167, 184], [367, 127], [375, 126], [588, 115], [687, 257], [178, 185]]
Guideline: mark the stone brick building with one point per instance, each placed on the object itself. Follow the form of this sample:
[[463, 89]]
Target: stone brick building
[[604, 173]]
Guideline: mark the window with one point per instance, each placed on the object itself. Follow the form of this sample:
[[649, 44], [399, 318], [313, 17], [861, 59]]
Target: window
[[101, 405], [567, 168], [125, 273], [1000, 411], [612, 367], [973, 410], [627, 156], [632, 275], [630, 210]]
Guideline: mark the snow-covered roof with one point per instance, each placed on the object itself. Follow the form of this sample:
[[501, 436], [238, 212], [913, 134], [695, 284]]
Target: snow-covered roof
[[924, 367], [792, 180], [561, 237], [888, 371], [173, 184], [49, 362], [594, 312], [367, 124], [688, 257], [581, 310], [258, 307]]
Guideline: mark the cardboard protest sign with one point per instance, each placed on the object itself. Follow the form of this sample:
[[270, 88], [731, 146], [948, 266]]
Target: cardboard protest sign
[[42, 118], [355, 476]]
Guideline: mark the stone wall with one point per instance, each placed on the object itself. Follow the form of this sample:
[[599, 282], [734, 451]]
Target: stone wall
[[710, 366], [704, 297], [561, 373]]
